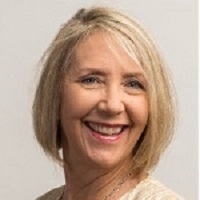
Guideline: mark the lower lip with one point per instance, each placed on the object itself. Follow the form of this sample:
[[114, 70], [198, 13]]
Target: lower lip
[[106, 139]]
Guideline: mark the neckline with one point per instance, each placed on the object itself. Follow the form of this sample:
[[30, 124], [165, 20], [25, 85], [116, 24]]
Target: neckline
[[146, 179]]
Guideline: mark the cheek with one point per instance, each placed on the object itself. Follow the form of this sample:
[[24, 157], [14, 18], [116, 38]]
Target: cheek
[[139, 111], [75, 103]]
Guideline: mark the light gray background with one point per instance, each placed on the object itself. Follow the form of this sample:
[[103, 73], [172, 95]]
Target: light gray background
[[26, 29]]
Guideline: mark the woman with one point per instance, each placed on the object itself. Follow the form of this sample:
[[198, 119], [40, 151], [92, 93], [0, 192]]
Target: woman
[[104, 99]]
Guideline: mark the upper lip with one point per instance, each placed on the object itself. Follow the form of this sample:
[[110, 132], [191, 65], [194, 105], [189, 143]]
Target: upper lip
[[111, 124]]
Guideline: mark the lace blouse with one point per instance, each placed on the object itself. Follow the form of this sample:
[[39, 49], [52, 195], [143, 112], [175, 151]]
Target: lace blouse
[[148, 189]]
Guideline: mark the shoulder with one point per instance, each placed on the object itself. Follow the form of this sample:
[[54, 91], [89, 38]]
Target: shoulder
[[151, 189], [53, 194]]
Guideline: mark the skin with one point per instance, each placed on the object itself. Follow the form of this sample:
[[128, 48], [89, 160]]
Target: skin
[[106, 87]]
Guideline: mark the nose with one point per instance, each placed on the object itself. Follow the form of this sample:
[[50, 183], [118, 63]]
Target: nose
[[111, 102]]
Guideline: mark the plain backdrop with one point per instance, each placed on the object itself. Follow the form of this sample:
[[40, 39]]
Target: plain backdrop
[[27, 28]]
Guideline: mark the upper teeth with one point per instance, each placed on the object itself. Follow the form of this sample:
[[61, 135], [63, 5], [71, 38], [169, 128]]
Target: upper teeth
[[106, 130]]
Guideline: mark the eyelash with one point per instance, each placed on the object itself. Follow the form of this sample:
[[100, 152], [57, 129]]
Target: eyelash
[[90, 80], [135, 84]]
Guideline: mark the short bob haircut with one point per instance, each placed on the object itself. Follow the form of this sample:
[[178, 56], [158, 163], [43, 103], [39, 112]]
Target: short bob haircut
[[138, 44]]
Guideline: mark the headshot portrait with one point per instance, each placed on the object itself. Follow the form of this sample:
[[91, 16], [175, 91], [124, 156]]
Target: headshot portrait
[[107, 103]]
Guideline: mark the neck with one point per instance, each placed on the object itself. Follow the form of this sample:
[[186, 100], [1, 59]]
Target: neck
[[92, 183]]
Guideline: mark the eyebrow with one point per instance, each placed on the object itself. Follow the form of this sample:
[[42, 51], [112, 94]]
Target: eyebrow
[[99, 71], [133, 74], [96, 71]]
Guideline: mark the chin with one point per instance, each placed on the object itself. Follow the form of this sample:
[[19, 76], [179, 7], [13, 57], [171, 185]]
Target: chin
[[107, 160]]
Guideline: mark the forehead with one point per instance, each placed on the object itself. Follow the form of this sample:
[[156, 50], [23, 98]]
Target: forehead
[[103, 48]]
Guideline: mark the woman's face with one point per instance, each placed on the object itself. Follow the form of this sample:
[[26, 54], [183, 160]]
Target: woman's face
[[104, 104]]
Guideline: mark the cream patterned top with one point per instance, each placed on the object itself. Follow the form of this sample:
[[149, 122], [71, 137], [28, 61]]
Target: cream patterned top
[[151, 189], [148, 189]]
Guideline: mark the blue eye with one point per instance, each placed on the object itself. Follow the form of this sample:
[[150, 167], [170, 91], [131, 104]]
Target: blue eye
[[135, 84], [90, 80]]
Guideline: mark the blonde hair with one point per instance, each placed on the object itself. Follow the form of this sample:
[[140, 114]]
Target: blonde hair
[[135, 41]]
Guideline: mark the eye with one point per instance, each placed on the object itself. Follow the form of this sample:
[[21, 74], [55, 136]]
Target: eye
[[90, 80], [135, 84]]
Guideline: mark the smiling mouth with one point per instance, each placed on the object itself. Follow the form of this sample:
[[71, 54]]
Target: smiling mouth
[[106, 130]]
